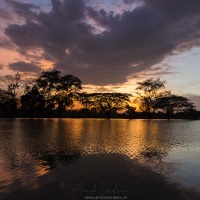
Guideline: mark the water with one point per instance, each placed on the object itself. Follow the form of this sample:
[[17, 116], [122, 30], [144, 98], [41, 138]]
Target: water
[[96, 158]]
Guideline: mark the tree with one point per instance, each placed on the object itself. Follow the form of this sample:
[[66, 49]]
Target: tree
[[67, 92], [8, 103], [148, 92], [59, 91], [14, 86], [87, 100], [174, 104], [106, 102], [13, 83], [32, 101], [130, 112], [47, 85]]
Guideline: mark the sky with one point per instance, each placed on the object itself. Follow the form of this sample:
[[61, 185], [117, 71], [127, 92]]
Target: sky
[[109, 44]]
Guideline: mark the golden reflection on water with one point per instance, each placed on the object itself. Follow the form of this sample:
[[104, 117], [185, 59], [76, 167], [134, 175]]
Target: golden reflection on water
[[99, 136], [32, 148]]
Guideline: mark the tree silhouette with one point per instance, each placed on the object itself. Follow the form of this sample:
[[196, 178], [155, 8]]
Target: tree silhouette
[[47, 85], [148, 91], [174, 104], [67, 92], [32, 102], [130, 112], [87, 100], [106, 102], [14, 86], [51, 94], [8, 103], [59, 91]]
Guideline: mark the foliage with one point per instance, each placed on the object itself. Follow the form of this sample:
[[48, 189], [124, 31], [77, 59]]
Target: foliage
[[59, 91], [14, 86], [8, 102], [148, 91], [105, 102], [87, 100], [174, 104], [67, 92], [47, 85], [52, 95], [130, 111], [32, 101], [13, 83]]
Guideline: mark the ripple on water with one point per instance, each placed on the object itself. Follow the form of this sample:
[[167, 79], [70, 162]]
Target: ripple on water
[[30, 149]]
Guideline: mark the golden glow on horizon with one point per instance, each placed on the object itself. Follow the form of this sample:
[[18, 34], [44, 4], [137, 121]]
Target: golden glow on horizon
[[9, 56]]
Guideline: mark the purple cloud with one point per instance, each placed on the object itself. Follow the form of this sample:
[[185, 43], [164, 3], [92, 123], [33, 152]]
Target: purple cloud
[[126, 44], [24, 67]]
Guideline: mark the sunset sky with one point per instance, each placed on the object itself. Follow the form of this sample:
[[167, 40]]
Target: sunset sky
[[109, 44]]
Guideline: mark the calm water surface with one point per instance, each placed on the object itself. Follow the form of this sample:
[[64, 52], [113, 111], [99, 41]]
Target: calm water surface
[[96, 158]]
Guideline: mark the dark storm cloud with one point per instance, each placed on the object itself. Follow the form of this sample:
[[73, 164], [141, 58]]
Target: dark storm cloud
[[101, 17], [24, 67], [176, 8], [126, 44], [26, 36]]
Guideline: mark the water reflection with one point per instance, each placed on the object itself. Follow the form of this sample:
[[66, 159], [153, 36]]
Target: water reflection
[[49, 160], [30, 149]]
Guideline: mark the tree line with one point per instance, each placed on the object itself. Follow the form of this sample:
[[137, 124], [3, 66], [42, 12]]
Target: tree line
[[54, 95]]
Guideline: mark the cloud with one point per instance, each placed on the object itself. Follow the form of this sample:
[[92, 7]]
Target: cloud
[[6, 43], [26, 10], [103, 89], [4, 79], [24, 67], [4, 14], [131, 1], [127, 43]]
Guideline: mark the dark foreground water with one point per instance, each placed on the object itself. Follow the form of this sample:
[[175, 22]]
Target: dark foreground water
[[75, 159]]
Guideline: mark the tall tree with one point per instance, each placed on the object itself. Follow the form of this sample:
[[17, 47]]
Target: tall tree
[[32, 102], [59, 91], [47, 85], [174, 104], [148, 91], [67, 92]]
